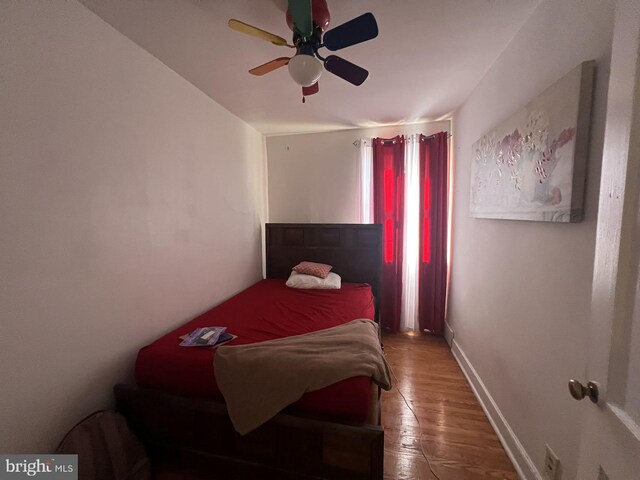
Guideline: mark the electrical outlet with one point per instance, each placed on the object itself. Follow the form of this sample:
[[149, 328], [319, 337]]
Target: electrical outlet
[[551, 465]]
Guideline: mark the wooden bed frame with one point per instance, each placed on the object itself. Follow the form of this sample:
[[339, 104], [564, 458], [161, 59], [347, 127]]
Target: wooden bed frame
[[354, 250], [184, 432]]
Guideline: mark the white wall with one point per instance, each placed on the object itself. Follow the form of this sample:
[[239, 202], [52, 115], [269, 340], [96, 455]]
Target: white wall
[[520, 291], [129, 202], [313, 177]]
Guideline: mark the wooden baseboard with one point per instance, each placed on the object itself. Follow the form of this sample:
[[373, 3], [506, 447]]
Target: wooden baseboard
[[288, 446], [519, 457]]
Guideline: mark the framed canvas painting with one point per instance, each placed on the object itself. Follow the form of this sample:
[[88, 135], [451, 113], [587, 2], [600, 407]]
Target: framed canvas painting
[[533, 165]]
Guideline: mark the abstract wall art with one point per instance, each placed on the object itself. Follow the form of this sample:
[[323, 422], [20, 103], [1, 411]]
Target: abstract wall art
[[533, 165]]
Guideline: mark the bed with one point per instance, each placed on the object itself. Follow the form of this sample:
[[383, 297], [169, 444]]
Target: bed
[[335, 432]]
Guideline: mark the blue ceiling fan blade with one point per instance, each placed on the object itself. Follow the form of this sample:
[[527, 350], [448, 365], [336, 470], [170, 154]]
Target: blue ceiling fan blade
[[358, 30]]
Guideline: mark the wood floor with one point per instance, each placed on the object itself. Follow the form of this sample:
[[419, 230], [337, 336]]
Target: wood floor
[[455, 433]]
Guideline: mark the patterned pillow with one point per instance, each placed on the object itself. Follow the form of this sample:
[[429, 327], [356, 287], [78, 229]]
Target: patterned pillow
[[300, 280], [319, 270]]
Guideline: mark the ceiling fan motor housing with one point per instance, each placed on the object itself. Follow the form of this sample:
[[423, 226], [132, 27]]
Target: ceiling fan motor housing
[[308, 45]]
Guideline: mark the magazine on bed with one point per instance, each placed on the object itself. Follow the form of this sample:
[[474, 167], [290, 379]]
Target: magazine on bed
[[206, 337]]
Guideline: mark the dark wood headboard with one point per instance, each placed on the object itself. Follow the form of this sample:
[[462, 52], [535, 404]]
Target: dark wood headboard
[[354, 250]]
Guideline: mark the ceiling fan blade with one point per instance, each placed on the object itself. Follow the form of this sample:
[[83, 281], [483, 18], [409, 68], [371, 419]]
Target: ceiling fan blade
[[269, 66], [348, 71], [301, 15], [258, 32], [358, 30], [311, 90]]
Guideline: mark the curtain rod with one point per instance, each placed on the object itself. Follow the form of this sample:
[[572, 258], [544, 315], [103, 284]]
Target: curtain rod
[[449, 135]]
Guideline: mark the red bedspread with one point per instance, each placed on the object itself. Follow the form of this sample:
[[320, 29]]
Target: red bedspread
[[264, 311]]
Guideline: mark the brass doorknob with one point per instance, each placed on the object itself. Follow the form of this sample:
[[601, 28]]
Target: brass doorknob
[[579, 391]]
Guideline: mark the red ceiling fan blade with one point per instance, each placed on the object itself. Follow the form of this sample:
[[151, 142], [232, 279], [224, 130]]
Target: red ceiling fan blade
[[269, 66]]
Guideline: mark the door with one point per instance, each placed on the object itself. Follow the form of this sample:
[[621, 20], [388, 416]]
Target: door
[[610, 439]]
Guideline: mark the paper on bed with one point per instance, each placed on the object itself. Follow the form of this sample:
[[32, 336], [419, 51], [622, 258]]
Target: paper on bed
[[260, 379]]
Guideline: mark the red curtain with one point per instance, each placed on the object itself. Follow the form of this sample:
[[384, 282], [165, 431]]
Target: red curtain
[[388, 209], [434, 183]]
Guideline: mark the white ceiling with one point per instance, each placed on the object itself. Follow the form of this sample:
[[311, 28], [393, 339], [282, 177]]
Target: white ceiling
[[427, 59]]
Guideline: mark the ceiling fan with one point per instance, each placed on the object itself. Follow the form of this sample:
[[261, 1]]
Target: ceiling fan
[[308, 19]]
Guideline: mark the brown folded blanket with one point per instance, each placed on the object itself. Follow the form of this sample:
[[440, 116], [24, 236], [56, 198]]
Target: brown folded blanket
[[260, 379]]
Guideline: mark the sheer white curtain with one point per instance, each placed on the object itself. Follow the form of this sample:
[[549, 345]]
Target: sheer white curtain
[[365, 181], [409, 310]]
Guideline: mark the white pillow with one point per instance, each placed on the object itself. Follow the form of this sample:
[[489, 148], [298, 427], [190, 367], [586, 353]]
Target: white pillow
[[300, 280]]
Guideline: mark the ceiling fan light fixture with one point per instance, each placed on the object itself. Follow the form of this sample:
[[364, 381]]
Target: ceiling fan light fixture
[[305, 69]]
